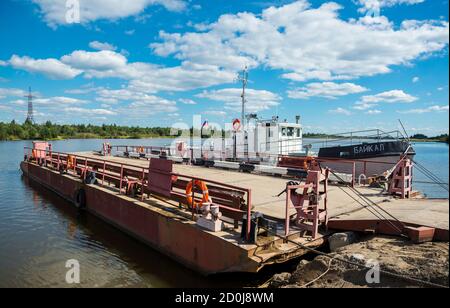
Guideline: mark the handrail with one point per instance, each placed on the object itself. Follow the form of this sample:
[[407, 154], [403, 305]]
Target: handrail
[[380, 135], [105, 163]]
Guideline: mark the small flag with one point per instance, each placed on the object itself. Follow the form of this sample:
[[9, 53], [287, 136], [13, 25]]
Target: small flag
[[205, 124]]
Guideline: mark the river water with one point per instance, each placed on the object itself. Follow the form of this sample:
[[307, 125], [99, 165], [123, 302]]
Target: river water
[[39, 232]]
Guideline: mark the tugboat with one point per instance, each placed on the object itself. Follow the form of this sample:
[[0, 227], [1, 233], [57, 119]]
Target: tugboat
[[266, 144], [280, 143], [371, 153]]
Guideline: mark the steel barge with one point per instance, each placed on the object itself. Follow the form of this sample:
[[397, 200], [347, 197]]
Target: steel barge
[[149, 203], [207, 230]]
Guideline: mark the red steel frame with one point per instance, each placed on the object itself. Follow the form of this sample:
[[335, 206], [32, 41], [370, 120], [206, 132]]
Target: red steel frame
[[49, 158], [402, 178], [146, 149], [145, 170], [353, 163], [315, 212]]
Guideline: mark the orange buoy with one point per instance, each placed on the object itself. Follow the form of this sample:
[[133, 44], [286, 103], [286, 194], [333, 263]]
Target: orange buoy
[[189, 197]]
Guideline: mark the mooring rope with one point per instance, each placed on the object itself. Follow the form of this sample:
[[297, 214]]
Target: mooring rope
[[370, 205], [436, 180], [363, 266]]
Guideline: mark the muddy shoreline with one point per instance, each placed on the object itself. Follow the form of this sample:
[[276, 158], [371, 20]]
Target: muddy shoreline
[[364, 264]]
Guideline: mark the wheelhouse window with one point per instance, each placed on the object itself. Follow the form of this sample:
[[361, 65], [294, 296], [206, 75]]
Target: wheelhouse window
[[290, 132]]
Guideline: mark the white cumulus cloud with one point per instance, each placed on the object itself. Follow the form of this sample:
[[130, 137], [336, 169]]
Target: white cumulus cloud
[[306, 43], [99, 111], [8, 92], [373, 112], [100, 60], [368, 5], [102, 46], [435, 108], [394, 96], [54, 11], [326, 89], [52, 68], [340, 110], [187, 101], [257, 100]]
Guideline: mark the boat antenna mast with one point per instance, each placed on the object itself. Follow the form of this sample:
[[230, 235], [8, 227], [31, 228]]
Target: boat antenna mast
[[244, 79]]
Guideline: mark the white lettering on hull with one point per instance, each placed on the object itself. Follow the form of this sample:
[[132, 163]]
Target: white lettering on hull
[[369, 148]]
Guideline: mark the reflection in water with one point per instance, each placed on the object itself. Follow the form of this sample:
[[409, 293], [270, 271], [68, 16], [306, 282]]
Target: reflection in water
[[39, 232], [72, 229], [108, 257]]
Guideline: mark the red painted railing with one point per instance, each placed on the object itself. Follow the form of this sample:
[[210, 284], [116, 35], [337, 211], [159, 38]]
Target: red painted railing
[[58, 159]]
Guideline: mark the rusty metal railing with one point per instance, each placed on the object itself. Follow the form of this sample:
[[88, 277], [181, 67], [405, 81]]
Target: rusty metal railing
[[61, 159]]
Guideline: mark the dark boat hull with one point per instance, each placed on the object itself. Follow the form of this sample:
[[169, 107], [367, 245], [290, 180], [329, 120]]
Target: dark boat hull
[[367, 150], [370, 158]]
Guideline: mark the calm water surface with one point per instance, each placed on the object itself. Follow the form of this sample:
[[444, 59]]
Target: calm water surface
[[39, 232]]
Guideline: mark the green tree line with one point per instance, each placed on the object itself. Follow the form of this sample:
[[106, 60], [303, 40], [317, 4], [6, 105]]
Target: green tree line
[[441, 138], [49, 130]]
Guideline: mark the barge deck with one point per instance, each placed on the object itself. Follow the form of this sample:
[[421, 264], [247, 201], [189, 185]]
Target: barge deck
[[265, 189]]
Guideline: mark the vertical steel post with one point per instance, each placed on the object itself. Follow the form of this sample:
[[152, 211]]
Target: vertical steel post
[[104, 170], [288, 201], [121, 175], [353, 174], [142, 184], [193, 196], [249, 213], [365, 171], [85, 168]]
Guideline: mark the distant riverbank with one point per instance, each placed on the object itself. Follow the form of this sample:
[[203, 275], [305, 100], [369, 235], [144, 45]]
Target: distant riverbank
[[93, 136], [29, 131], [414, 138], [14, 131]]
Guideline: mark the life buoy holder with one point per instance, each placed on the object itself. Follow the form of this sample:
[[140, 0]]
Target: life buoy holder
[[181, 148], [189, 197], [237, 125]]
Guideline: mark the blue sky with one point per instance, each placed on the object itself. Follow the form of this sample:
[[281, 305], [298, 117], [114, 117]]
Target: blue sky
[[341, 65]]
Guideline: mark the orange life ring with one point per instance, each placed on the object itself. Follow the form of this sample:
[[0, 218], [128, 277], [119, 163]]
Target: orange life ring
[[70, 161], [202, 185], [308, 162]]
